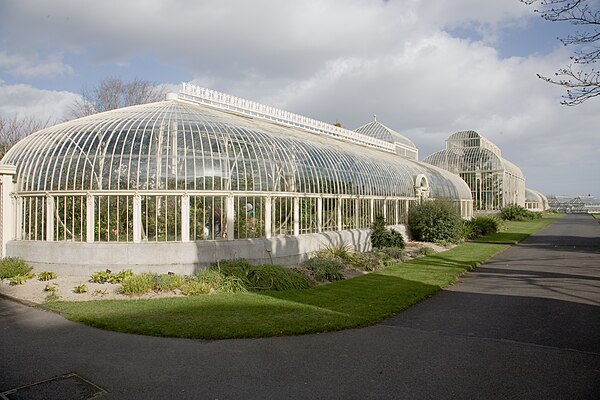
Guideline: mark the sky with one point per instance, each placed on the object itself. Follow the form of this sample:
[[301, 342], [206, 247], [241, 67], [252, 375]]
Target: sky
[[426, 68]]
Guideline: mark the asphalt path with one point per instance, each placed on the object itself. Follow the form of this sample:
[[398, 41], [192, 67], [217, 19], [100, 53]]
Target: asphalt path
[[525, 325]]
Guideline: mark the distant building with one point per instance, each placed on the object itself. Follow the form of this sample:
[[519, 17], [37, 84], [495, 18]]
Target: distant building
[[535, 201], [579, 204], [494, 181], [403, 145]]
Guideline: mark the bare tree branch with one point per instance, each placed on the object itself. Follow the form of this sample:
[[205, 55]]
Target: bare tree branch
[[581, 80], [113, 93], [13, 129]]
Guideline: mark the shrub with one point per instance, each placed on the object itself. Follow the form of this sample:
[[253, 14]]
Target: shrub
[[435, 221], [373, 261], [481, 226], [262, 277], [515, 212], [195, 288], [100, 276], [342, 251], [325, 269], [395, 253], [218, 282], [13, 266], [168, 282], [137, 284], [275, 277], [21, 279], [81, 288], [382, 237], [426, 251], [46, 276], [50, 287], [109, 277]]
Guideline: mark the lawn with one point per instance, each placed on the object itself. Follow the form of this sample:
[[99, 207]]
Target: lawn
[[357, 302]]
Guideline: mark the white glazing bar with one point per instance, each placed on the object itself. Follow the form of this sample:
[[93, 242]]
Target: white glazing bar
[[357, 213], [18, 215], [296, 216], [338, 206], [268, 217], [49, 218], [137, 218], [320, 214], [185, 218], [90, 210], [230, 204], [371, 210]]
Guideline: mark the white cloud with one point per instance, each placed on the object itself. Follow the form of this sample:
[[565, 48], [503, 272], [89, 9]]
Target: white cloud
[[44, 105], [20, 65], [335, 60]]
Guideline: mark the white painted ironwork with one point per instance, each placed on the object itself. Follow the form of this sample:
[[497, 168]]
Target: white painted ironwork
[[223, 101]]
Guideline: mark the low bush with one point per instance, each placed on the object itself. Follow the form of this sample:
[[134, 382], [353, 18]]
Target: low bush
[[168, 282], [109, 277], [325, 269], [435, 221], [137, 284], [515, 212], [13, 266], [395, 253], [81, 288], [46, 276], [342, 251], [373, 261], [481, 226], [218, 282], [21, 279], [382, 237], [262, 277], [195, 288], [275, 277]]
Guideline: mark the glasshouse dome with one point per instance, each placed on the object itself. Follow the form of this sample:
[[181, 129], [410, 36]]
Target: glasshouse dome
[[535, 201], [203, 166], [494, 181]]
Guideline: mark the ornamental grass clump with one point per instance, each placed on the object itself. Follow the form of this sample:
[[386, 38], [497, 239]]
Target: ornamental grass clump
[[262, 277], [135, 285], [13, 266], [214, 281]]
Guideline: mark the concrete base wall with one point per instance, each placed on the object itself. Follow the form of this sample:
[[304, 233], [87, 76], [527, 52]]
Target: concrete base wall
[[81, 259]]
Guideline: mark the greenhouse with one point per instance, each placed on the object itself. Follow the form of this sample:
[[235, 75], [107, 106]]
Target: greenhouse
[[222, 175], [535, 201], [494, 181]]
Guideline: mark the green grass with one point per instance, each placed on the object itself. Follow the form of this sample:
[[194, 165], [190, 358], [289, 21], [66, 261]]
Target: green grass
[[361, 301], [597, 216]]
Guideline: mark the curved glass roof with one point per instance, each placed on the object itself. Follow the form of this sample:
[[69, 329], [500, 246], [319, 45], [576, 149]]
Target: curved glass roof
[[468, 151], [379, 131], [178, 145], [534, 196]]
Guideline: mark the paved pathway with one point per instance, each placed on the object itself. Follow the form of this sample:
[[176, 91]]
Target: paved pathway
[[526, 325]]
